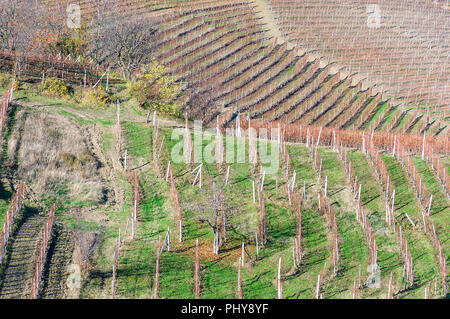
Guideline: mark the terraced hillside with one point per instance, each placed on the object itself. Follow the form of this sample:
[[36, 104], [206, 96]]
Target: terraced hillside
[[332, 209], [253, 74], [402, 45], [319, 170], [235, 55], [314, 180]]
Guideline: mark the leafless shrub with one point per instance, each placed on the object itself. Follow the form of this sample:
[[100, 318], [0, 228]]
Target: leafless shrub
[[123, 42], [86, 242], [27, 26], [202, 105]]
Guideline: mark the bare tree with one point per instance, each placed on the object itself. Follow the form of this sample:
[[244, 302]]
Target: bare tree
[[217, 210], [28, 27], [17, 25], [113, 38], [202, 105], [123, 42], [8, 10]]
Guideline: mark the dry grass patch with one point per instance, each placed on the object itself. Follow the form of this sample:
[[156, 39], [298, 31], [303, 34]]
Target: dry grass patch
[[51, 154]]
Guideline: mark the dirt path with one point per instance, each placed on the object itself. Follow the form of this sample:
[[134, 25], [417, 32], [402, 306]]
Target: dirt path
[[263, 11], [108, 167]]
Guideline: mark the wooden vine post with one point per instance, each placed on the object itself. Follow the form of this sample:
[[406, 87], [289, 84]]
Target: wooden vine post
[[318, 285], [262, 220], [280, 287], [42, 253], [197, 272], [115, 265], [298, 240], [188, 145], [119, 132], [239, 281], [390, 287], [7, 98], [175, 200], [14, 208], [136, 195], [158, 257]]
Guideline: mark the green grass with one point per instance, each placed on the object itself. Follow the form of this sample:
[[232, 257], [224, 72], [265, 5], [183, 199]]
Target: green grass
[[425, 264], [4, 205], [388, 117], [218, 280], [136, 271], [440, 209], [98, 284], [403, 121], [219, 275], [314, 238], [375, 116], [177, 276], [446, 161], [352, 246], [372, 198], [281, 230]]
